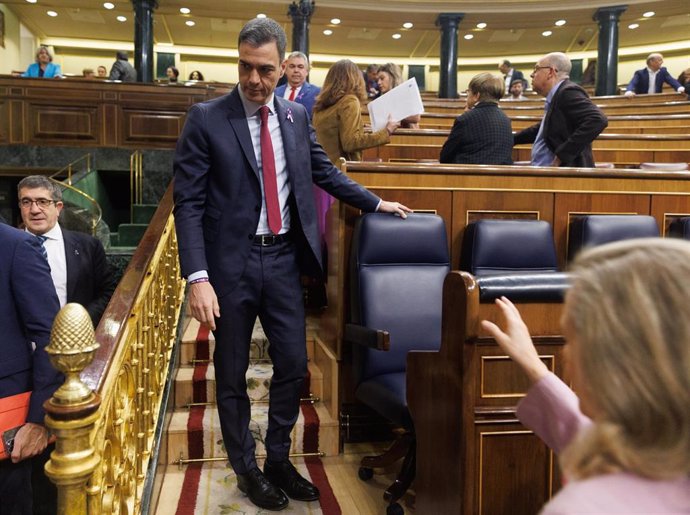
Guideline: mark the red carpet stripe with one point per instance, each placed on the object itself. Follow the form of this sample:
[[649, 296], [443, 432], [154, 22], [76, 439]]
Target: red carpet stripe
[[329, 504], [195, 428]]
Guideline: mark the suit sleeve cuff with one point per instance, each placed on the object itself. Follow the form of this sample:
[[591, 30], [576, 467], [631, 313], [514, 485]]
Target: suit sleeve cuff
[[378, 206], [201, 274]]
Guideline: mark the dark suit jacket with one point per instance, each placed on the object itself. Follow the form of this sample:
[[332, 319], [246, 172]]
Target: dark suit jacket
[[90, 280], [218, 193], [640, 81], [28, 305], [123, 70], [306, 97], [482, 136], [570, 126]]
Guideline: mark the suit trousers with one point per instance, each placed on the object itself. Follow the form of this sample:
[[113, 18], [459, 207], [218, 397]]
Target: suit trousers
[[15, 488], [270, 289]]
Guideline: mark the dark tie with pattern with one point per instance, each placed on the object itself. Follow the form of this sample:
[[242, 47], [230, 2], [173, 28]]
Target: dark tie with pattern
[[268, 168], [42, 239]]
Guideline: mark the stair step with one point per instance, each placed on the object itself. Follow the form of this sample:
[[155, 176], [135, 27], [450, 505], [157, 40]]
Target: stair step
[[196, 433], [129, 235], [142, 213], [189, 389], [258, 350]]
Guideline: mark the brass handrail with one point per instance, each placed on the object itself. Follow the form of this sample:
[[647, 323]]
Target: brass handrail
[[99, 212], [136, 180], [106, 442], [68, 168]]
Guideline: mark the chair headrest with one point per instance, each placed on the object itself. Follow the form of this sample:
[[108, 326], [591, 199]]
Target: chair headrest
[[680, 228], [381, 238], [591, 230], [500, 246], [524, 287]]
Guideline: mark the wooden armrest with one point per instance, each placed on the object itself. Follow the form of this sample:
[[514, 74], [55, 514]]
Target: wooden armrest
[[374, 338]]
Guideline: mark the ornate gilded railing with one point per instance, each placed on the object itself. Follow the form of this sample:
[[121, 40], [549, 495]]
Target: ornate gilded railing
[[105, 441], [69, 169], [136, 180]]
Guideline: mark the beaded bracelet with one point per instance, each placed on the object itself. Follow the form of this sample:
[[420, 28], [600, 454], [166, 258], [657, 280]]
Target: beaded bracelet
[[199, 280]]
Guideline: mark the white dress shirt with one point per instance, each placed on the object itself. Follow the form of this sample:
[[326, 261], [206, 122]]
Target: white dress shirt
[[288, 90], [652, 80], [55, 247]]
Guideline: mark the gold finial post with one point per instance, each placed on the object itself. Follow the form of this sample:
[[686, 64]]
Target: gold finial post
[[73, 410]]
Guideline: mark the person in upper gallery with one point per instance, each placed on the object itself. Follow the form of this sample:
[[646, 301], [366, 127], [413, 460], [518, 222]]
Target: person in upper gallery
[[337, 115], [122, 70], [623, 435], [44, 67], [196, 75], [78, 265], [297, 89], [571, 121], [371, 82], [388, 77], [172, 74], [102, 72], [88, 73], [510, 74], [517, 87], [684, 80], [246, 225], [651, 79], [483, 134], [28, 306]]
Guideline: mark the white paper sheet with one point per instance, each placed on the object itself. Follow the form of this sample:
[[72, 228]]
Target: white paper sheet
[[400, 102]]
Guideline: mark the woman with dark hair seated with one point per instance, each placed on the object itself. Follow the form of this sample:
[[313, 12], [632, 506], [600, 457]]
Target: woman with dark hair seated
[[196, 75], [623, 436], [172, 73]]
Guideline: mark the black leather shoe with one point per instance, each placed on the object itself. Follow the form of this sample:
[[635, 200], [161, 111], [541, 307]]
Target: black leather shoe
[[260, 490], [284, 475]]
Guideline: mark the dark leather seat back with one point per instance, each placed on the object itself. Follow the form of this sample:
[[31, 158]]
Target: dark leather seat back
[[493, 247], [397, 272], [680, 228], [592, 230]]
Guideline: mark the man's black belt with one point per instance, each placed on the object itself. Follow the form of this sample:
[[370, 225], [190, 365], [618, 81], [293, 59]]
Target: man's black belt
[[267, 240]]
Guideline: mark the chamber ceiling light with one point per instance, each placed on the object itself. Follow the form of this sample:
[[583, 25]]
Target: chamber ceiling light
[[31, 1], [335, 21], [327, 32], [396, 36], [481, 25], [648, 14], [109, 5], [185, 10], [560, 23], [261, 15], [469, 36], [52, 14], [408, 25], [190, 23], [633, 25], [121, 19], [546, 33]]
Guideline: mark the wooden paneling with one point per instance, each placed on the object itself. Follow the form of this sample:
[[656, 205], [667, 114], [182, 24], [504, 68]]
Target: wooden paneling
[[151, 128], [51, 123], [667, 208], [4, 122]]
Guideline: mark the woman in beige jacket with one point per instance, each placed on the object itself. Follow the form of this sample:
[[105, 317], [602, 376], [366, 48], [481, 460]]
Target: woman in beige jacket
[[337, 115]]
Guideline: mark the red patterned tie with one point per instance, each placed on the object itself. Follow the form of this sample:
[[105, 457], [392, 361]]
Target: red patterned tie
[[292, 93], [268, 166]]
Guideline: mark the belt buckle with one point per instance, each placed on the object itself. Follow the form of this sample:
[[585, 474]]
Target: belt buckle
[[268, 240]]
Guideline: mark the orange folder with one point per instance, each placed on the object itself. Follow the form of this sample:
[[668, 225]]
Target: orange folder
[[13, 412]]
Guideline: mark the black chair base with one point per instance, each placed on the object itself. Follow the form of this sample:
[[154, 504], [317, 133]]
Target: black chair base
[[404, 447]]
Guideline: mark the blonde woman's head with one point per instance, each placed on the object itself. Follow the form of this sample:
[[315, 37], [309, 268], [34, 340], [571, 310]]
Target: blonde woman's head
[[343, 78], [628, 312]]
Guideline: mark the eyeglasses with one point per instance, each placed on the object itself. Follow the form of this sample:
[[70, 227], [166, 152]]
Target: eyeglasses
[[42, 203], [537, 68]]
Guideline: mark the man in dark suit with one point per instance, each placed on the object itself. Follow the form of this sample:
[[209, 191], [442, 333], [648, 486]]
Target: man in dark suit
[[122, 70], [571, 121], [297, 89], [247, 227], [652, 78], [28, 305], [77, 261], [510, 74], [483, 134]]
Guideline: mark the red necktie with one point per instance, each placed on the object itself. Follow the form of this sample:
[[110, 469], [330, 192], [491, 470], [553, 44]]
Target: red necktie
[[292, 93], [268, 167]]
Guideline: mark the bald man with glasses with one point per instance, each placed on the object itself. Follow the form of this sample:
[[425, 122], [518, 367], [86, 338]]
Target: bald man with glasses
[[571, 121]]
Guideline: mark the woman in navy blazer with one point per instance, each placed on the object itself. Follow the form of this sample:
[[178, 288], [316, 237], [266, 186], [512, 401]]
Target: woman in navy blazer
[[44, 66]]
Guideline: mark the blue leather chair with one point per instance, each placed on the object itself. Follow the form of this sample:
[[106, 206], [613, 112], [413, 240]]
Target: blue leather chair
[[515, 258], [592, 230], [397, 272]]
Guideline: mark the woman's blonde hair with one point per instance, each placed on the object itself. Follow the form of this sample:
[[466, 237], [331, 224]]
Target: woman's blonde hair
[[343, 78], [629, 309], [489, 87], [393, 71], [48, 51]]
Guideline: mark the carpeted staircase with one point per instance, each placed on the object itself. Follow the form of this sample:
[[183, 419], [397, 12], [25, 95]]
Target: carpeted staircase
[[194, 432]]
